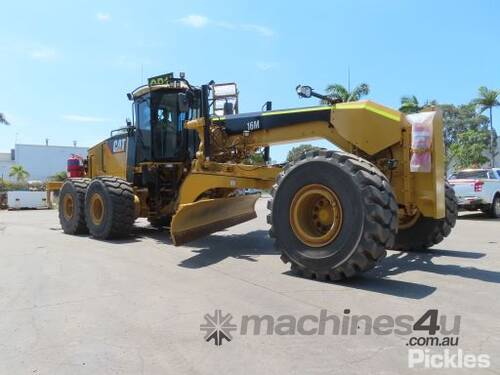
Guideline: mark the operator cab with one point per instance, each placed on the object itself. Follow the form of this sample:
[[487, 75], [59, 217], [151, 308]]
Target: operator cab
[[160, 110]]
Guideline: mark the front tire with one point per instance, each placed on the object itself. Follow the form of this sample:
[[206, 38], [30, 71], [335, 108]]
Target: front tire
[[347, 233], [109, 207]]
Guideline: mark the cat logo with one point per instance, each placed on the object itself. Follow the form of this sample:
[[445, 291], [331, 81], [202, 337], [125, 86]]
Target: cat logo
[[119, 145]]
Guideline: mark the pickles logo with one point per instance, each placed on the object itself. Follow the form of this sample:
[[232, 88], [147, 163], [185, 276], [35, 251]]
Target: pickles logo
[[218, 327], [425, 358], [119, 145]]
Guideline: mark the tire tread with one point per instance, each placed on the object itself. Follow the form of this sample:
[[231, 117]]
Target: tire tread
[[122, 199], [380, 220], [429, 232], [80, 185]]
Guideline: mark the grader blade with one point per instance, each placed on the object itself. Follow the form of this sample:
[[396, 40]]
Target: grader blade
[[198, 219]]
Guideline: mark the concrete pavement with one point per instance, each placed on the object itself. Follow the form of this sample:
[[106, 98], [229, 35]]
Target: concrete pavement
[[75, 305]]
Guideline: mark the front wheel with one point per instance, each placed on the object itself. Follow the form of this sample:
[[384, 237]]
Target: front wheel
[[332, 215]]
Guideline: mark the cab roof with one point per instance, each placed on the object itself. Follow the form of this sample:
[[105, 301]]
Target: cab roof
[[146, 89]]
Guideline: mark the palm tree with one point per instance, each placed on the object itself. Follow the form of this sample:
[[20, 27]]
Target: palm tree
[[488, 99], [3, 120], [339, 92], [410, 104], [19, 173], [59, 176]]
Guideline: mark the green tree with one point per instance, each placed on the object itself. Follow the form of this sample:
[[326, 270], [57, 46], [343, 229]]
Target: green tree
[[12, 186], [60, 176], [297, 151], [460, 119], [3, 120], [486, 100], [257, 158], [339, 92], [410, 104], [468, 150], [19, 173]]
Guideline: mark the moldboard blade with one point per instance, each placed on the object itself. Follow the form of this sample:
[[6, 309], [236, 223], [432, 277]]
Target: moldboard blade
[[199, 219]]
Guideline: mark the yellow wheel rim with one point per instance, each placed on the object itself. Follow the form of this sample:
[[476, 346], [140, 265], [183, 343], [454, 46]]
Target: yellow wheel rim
[[96, 209], [68, 207], [316, 215]]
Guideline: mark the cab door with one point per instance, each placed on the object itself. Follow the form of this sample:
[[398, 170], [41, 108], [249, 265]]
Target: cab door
[[143, 132]]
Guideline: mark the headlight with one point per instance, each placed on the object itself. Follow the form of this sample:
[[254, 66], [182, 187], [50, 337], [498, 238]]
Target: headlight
[[304, 91]]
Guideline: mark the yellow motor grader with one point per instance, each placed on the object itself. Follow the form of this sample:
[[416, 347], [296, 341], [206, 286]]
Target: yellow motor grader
[[184, 163]]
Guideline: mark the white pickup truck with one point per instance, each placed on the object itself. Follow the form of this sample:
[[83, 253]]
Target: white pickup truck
[[478, 189]]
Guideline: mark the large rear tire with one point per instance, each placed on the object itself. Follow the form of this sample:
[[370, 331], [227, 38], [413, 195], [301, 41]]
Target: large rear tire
[[72, 206], [332, 215], [427, 232], [109, 207]]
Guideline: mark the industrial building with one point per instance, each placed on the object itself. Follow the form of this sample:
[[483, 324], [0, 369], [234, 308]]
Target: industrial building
[[41, 161]]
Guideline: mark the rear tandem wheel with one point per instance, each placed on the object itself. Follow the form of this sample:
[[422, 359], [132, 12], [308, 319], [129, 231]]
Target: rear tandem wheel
[[72, 206], [109, 207]]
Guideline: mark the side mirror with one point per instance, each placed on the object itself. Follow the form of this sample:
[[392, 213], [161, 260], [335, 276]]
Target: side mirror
[[182, 102], [304, 91], [130, 128]]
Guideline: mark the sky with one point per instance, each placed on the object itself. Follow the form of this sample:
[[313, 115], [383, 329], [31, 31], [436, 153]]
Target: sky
[[66, 66]]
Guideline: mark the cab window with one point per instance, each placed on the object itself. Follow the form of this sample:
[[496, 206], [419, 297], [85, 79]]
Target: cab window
[[143, 130], [167, 127]]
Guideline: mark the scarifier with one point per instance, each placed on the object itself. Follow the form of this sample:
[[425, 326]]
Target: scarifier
[[187, 161]]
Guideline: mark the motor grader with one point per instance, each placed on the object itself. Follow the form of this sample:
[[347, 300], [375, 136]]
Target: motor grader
[[185, 165]]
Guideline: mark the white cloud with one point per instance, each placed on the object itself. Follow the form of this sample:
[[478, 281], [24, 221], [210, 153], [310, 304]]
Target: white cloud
[[262, 65], [262, 30], [195, 20], [33, 50], [198, 21], [103, 17], [225, 25], [44, 54], [80, 118]]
